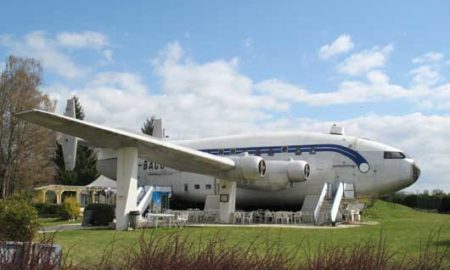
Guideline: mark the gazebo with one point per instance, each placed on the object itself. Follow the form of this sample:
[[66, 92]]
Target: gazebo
[[101, 190]]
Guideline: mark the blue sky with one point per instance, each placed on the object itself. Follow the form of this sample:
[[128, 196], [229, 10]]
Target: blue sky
[[220, 67]]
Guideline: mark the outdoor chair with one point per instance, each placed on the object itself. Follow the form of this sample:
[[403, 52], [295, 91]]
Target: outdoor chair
[[238, 217], [182, 219], [297, 217], [248, 218], [268, 217]]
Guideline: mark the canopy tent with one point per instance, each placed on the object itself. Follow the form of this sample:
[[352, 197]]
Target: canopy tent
[[103, 182]]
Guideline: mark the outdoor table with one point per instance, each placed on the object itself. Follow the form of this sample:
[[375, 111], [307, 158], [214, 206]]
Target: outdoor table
[[165, 217]]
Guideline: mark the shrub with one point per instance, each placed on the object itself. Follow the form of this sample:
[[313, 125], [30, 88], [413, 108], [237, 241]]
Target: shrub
[[70, 209], [47, 209], [101, 214], [18, 220]]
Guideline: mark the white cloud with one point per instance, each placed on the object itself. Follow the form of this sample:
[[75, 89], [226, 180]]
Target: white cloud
[[429, 57], [376, 88], [209, 94], [86, 39], [50, 50], [38, 45], [341, 45], [425, 75], [366, 60]]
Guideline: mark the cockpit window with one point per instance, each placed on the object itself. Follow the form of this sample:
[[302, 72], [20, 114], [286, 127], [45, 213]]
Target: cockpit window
[[394, 155]]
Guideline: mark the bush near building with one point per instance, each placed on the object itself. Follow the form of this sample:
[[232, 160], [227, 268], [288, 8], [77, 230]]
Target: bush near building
[[47, 210], [18, 220], [70, 209]]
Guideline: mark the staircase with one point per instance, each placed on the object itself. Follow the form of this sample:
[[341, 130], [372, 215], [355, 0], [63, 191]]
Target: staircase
[[327, 207]]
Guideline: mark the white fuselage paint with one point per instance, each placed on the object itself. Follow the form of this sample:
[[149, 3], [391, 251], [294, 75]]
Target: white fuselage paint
[[329, 156]]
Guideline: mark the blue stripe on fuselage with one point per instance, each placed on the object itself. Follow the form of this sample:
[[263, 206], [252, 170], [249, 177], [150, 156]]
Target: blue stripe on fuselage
[[345, 151]]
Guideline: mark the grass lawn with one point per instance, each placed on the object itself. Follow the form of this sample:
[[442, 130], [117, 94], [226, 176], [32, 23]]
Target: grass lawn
[[405, 230], [56, 221]]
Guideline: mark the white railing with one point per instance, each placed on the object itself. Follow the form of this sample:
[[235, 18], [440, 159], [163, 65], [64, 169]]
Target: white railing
[[140, 194], [145, 201], [337, 202], [322, 196]]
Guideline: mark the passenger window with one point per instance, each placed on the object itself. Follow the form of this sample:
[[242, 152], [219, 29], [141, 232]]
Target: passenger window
[[270, 152], [196, 186], [221, 152], [298, 151], [233, 151], [185, 187], [284, 149], [207, 186], [312, 151]]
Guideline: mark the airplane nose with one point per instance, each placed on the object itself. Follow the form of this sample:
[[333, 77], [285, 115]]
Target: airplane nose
[[416, 171]]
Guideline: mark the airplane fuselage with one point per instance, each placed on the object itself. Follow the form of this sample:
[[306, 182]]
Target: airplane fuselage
[[373, 168]]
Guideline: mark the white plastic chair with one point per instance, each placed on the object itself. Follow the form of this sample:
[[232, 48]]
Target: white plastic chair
[[182, 219], [248, 218]]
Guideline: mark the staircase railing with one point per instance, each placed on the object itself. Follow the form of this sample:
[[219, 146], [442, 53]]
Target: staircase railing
[[145, 201], [323, 193], [336, 203]]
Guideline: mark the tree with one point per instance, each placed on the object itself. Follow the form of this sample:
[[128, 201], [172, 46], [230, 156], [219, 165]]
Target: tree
[[85, 170], [25, 149], [149, 125]]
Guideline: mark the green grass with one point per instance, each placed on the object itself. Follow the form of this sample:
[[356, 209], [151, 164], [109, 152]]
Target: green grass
[[56, 221], [405, 230]]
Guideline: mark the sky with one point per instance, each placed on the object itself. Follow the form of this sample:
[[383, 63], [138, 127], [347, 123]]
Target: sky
[[209, 68]]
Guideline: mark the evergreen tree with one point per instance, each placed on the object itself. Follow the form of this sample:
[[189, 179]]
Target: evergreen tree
[[148, 126], [85, 170]]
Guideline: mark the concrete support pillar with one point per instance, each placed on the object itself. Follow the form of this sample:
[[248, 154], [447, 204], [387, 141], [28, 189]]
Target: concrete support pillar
[[127, 163], [227, 197]]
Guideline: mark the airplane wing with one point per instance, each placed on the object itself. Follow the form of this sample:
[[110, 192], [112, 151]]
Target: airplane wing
[[171, 155]]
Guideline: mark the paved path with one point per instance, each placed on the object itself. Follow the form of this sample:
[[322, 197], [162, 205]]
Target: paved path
[[69, 227], [77, 226]]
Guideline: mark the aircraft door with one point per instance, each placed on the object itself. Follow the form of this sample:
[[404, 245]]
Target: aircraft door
[[344, 170]]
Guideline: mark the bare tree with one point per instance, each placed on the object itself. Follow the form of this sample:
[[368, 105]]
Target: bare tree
[[25, 149]]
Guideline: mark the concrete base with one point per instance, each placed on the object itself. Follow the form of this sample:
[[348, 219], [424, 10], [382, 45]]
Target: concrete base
[[227, 197], [127, 163]]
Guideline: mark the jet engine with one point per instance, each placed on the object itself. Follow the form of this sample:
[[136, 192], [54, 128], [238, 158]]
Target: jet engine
[[248, 168], [279, 174]]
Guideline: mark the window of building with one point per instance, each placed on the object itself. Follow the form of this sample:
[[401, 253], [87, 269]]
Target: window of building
[[233, 151], [298, 151], [270, 152], [196, 186], [207, 186], [221, 152], [284, 149]]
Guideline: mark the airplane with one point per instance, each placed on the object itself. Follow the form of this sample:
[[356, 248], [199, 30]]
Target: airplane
[[276, 168]]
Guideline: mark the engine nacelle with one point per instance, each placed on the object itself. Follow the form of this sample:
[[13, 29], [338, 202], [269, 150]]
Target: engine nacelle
[[298, 170], [248, 168], [279, 175]]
